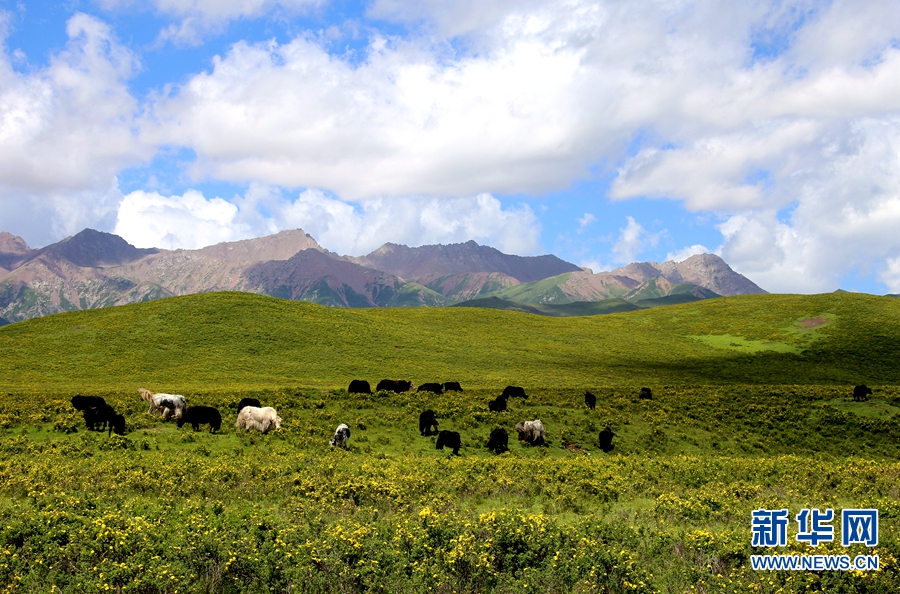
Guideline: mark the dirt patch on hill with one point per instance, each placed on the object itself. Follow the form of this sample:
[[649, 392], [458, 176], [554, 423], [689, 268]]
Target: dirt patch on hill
[[813, 322]]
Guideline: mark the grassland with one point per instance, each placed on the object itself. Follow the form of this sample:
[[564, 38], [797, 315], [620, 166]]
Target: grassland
[[751, 410], [237, 340]]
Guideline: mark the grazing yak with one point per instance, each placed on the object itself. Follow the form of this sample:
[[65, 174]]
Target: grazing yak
[[498, 404], [394, 386], [97, 417], [168, 405], [164, 404], [514, 392], [428, 424], [645, 394], [341, 436], [861, 393], [248, 402], [531, 432], [452, 387], [201, 415], [261, 419], [431, 387], [590, 400], [117, 425], [83, 403], [606, 437], [359, 387], [498, 442], [450, 439]]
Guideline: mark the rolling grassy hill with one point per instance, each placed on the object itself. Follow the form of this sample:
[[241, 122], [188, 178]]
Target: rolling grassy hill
[[244, 340], [751, 410]]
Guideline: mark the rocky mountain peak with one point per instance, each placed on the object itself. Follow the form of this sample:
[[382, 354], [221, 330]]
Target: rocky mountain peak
[[12, 244], [705, 270], [13, 250], [429, 262], [280, 246], [94, 249]]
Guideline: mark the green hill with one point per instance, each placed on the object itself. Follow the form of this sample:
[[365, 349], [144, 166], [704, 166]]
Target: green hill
[[751, 410], [575, 308], [245, 340]]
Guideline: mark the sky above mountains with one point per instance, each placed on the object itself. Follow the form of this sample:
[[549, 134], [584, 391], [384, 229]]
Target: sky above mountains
[[603, 132]]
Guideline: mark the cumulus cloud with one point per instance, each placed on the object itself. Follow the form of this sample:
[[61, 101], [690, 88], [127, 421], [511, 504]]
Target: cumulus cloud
[[584, 221], [148, 219], [199, 18], [400, 124], [844, 220], [685, 253], [65, 131], [781, 117], [191, 221], [633, 240], [891, 275], [69, 125]]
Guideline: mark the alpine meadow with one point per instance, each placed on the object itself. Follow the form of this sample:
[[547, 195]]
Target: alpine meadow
[[752, 408]]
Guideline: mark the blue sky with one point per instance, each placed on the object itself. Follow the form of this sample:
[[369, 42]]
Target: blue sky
[[602, 132]]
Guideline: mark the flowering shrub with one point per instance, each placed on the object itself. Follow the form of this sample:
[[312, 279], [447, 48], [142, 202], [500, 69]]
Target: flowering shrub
[[163, 510]]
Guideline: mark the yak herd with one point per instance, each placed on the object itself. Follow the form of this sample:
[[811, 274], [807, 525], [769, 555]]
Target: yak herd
[[529, 432], [99, 416]]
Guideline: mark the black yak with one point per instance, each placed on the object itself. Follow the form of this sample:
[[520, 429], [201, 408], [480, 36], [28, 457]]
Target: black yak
[[397, 386], [450, 439], [514, 392], [498, 404], [359, 387], [646, 394], [452, 387], [248, 402], [97, 417], [427, 423], [861, 393], [201, 415], [83, 403], [431, 387], [498, 442], [590, 400], [117, 425], [606, 437]]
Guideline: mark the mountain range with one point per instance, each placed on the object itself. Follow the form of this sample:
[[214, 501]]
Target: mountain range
[[95, 269]]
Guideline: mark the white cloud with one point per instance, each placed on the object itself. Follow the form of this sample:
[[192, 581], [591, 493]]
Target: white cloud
[[633, 240], [191, 221], [65, 131], [584, 221], [891, 275], [148, 219], [400, 124], [796, 151], [686, 252], [198, 18], [844, 220], [69, 125]]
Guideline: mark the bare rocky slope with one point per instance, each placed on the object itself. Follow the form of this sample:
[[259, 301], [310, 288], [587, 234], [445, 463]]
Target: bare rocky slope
[[94, 269]]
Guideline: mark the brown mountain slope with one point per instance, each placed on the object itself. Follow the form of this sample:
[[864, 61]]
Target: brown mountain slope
[[280, 246], [13, 250], [94, 269], [430, 262], [705, 270], [312, 275]]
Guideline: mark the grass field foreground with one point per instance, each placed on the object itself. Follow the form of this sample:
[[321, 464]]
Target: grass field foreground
[[668, 510]]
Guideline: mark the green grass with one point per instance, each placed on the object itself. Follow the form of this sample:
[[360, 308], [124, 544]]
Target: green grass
[[243, 340], [751, 409], [575, 308]]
